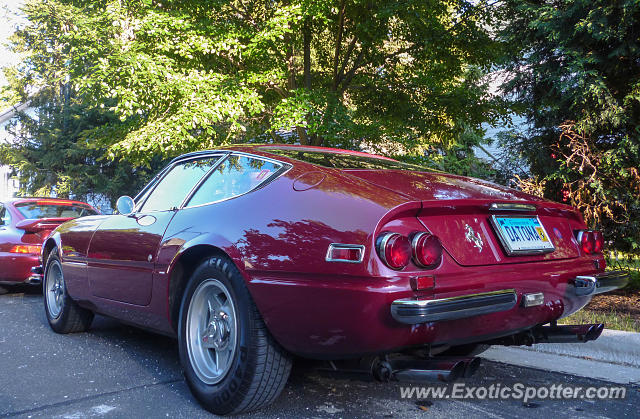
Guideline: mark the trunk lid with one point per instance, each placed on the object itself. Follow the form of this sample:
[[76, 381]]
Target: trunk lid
[[459, 211], [469, 236]]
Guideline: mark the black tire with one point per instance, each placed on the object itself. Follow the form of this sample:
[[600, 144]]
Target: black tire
[[3, 290], [471, 349], [71, 317], [259, 368]]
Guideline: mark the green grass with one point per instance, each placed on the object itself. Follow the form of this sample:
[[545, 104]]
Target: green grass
[[611, 320], [634, 281], [627, 262]]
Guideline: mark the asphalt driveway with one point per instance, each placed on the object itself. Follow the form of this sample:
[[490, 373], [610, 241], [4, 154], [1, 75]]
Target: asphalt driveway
[[119, 371]]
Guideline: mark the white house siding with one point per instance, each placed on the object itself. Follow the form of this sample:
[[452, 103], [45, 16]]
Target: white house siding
[[8, 185]]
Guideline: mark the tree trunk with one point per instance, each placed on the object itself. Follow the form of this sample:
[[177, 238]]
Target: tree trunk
[[306, 35], [336, 57], [291, 85], [306, 39]]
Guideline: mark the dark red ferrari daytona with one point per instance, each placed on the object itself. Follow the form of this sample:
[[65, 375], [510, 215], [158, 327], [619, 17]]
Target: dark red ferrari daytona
[[252, 253]]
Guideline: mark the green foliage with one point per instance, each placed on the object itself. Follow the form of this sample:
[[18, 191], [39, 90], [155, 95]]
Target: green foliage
[[50, 151], [8, 96], [50, 155], [400, 78], [576, 79]]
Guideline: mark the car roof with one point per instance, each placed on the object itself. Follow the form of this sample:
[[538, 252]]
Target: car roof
[[264, 149]]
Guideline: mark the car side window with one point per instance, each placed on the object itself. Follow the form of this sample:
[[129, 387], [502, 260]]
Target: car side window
[[176, 184], [5, 217], [235, 176]]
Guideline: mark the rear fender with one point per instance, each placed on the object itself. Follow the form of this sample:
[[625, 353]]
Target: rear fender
[[406, 210], [187, 259], [213, 241]]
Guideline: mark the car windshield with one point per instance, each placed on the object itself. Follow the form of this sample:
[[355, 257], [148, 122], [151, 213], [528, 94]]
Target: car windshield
[[39, 209], [345, 161]]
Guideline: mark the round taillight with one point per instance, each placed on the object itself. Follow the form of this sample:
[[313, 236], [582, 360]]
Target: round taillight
[[427, 250], [598, 241], [587, 242], [394, 249]]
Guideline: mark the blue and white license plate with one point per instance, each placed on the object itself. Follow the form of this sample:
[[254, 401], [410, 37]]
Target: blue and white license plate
[[522, 235]]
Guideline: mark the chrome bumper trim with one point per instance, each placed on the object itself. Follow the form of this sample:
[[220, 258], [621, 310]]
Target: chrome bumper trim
[[597, 284], [34, 280], [410, 311], [36, 276]]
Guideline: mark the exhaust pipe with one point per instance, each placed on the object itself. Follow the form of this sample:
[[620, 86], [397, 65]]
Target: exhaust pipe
[[437, 369], [553, 334], [428, 370], [406, 368], [569, 333]]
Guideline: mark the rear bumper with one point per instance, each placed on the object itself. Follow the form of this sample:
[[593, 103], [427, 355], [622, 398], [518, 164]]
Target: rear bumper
[[597, 284], [415, 311], [334, 317], [412, 311], [16, 268]]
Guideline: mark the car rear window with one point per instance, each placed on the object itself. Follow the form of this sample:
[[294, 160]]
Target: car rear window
[[345, 161], [235, 176], [38, 210]]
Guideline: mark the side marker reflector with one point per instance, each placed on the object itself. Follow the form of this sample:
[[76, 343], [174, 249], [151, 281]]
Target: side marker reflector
[[350, 253], [533, 299]]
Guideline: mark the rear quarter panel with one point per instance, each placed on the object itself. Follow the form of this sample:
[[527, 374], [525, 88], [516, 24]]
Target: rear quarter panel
[[277, 228], [278, 234]]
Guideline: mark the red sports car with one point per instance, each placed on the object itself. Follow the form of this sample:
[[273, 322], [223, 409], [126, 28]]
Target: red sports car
[[252, 253], [24, 224]]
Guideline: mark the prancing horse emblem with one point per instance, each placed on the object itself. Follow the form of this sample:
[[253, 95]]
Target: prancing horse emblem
[[473, 237]]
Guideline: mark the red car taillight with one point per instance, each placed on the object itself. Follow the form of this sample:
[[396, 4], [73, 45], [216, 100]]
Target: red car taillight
[[586, 241], [590, 241], [427, 250], [598, 243], [25, 249], [394, 249]]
